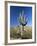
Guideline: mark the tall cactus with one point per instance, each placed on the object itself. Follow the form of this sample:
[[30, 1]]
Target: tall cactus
[[22, 21]]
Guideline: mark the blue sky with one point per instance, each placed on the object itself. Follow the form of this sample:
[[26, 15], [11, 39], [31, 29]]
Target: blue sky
[[14, 14]]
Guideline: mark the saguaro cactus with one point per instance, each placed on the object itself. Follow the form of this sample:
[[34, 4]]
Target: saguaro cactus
[[22, 21]]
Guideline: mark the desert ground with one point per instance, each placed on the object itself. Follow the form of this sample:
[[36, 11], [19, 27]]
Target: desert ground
[[15, 32]]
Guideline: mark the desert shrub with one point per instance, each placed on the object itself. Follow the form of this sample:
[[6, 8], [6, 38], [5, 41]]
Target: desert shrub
[[26, 35], [14, 34]]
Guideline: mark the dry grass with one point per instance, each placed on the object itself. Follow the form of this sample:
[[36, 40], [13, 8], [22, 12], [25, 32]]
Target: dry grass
[[26, 34]]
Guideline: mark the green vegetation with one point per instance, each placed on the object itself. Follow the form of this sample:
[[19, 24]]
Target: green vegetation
[[15, 33]]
